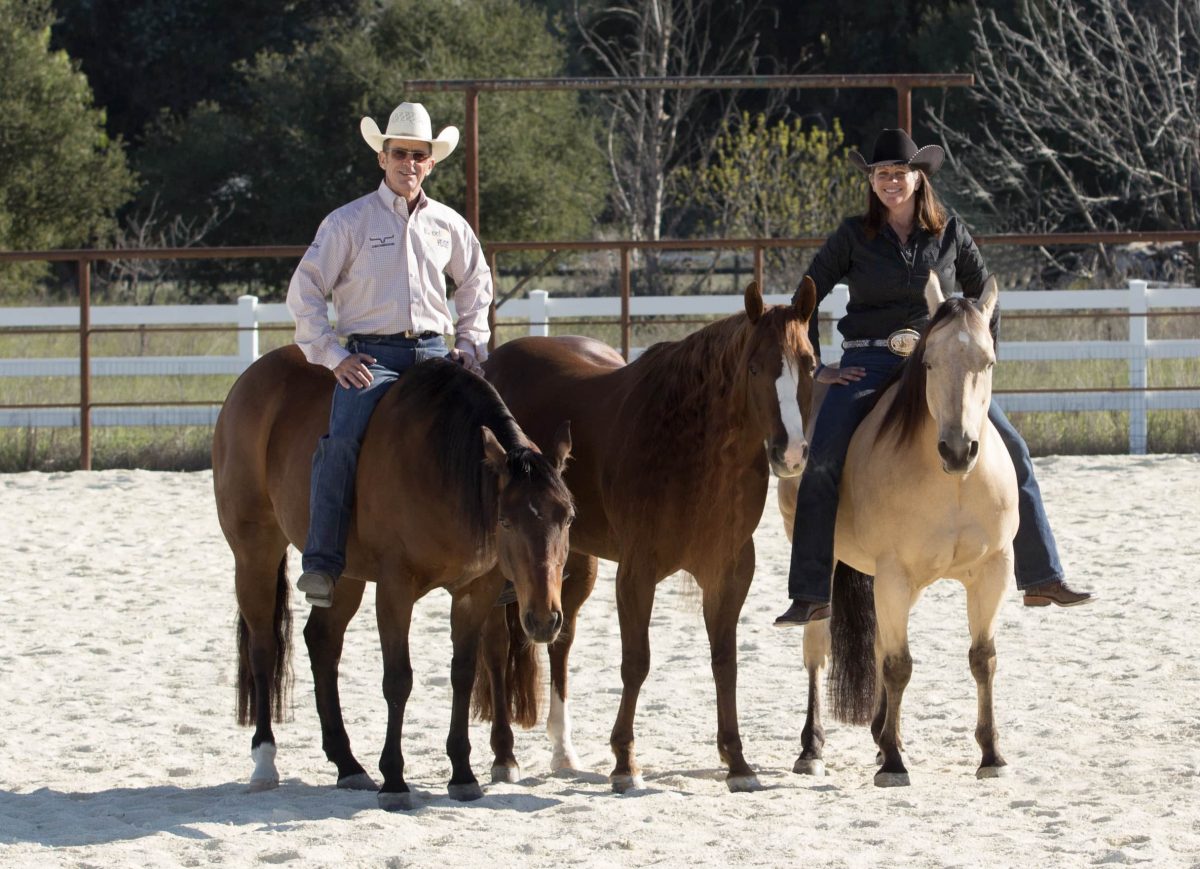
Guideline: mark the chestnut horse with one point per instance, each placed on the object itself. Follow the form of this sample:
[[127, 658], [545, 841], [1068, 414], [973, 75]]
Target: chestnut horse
[[449, 487], [928, 491], [669, 473]]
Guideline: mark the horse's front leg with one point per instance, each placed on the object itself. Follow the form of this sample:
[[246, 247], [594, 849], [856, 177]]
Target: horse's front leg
[[579, 578], [893, 600], [495, 657], [724, 593], [983, 604], [394, 605], [635, 602], [468, 612], [816, 660], [324, 633]]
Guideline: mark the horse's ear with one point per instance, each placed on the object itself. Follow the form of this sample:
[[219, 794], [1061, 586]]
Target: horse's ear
[[494, 455], [989, 297], [805, 298], [754, 301], [933, 293], [560, 451]]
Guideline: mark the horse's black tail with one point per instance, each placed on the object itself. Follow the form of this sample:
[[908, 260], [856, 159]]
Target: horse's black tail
[[522, 673], [282, 677], [852, 630]]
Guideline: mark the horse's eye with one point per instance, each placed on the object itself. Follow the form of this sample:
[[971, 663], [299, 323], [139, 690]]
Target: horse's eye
[[753, 368], [571, 519], [505, 523]]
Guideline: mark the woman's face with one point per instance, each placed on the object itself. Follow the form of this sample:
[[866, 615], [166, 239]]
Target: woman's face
[[895, 185]]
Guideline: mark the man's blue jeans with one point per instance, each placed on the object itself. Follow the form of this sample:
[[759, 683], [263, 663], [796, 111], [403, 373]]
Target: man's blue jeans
[[844, 407], [335, 462]]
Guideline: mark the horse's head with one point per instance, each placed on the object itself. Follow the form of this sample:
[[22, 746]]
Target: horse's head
[[535, 513], [958, 359], [778, 363]]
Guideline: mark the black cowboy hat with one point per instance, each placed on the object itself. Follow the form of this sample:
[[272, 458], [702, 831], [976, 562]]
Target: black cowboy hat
[[896, 147]]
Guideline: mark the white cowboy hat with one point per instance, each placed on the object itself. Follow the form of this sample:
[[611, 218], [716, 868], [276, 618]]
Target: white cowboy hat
[[410, 121]]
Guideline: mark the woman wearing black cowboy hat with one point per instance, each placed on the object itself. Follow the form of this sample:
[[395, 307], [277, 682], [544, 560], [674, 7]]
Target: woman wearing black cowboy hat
[[885, 256]]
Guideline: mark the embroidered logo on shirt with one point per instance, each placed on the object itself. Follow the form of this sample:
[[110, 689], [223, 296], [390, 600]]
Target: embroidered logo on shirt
[[385, 241]]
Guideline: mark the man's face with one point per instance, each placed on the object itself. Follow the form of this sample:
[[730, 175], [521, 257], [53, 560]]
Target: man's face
[[403, 172]]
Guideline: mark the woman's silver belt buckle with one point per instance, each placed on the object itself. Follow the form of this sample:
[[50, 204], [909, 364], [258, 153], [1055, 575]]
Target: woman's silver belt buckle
[[903, 342]]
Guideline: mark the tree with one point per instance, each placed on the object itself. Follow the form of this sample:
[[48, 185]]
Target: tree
[[652, 132], [773, 180], [63, 177], [292, 152], [1087, 118]]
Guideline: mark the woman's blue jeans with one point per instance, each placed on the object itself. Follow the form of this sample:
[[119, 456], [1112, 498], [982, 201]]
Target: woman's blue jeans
[[844, 407], [335, 462]]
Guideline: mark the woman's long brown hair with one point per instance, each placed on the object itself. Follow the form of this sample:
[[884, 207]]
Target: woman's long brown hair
[[930, 213]]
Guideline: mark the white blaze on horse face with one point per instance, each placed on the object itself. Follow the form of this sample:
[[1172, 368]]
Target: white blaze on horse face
[[786, 387]]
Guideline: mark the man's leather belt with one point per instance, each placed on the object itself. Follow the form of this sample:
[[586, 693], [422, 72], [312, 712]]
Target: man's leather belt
[[902, 342], [395, 336]]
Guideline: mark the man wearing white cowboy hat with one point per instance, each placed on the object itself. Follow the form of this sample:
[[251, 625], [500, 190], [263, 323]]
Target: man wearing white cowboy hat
[[382, 259]]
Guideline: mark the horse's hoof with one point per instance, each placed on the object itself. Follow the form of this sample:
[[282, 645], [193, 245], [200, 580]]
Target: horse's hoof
[[505, 774], [465, 793], [809, 766], [992, 772], [623, 783], [892, 780], [564, 761], [392, 801], [743, 784], [357, 782], [263, 784]]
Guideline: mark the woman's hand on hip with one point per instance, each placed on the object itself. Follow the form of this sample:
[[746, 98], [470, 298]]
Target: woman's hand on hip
[[835, 374]]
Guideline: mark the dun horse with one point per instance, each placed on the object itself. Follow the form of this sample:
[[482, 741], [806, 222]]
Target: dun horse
[[669, 473], [448, 488], [928, 492]]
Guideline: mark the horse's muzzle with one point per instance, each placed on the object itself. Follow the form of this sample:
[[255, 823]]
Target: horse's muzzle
[[543, 627], [788, 463], [958, 454]]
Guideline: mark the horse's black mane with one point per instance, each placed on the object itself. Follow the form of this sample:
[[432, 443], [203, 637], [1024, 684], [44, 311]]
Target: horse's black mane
[[460, 403], [909, 408]]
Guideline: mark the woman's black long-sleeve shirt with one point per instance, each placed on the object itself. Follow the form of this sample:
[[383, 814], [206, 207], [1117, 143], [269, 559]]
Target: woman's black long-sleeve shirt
[[887, 279]]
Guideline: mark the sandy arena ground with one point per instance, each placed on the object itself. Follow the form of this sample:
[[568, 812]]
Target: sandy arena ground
[[119, 745]]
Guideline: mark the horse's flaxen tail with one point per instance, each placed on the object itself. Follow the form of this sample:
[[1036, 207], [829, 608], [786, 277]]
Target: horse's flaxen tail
[[522, 676], [281, 678], [852, 631]]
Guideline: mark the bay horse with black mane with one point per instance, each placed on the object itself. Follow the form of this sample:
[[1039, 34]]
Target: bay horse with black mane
[[448, 488], [928, 491], [669, 472]]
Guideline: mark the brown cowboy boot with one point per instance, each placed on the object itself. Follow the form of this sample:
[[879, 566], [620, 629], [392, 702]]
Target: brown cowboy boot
[[1058, 593], [801, 612]]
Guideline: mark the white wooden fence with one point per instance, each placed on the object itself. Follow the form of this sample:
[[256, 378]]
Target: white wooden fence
[[540, 310]]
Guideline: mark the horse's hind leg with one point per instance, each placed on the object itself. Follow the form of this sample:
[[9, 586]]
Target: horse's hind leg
[[816, 660], [324, 634], [724, 594], [579, 578], [983, 603], [393, 612], [264, 646]]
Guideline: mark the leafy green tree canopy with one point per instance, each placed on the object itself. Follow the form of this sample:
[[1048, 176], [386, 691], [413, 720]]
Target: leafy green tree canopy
[[277, 164], [773, 180], [63, 177]]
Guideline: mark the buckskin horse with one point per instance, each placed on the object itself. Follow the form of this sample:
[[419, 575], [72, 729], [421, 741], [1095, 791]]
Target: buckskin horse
[[448, 487], [928, 491], [669, 473]]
